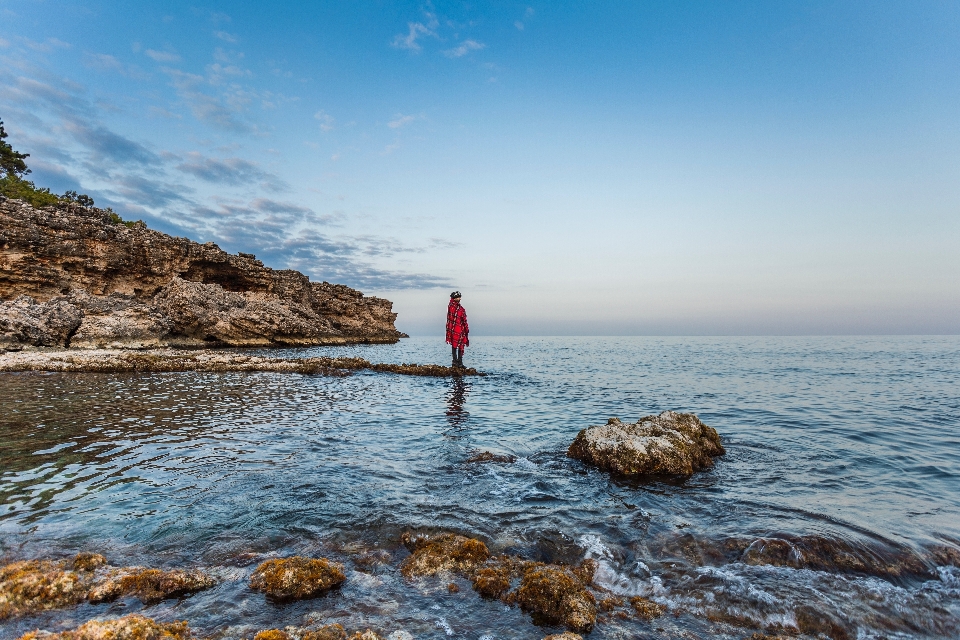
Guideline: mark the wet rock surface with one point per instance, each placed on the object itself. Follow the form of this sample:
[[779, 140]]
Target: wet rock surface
[[296, 577], [131, 627], [29, 586], [433, 554], [209, 360], [668, 444], [73, 276], [556, 595], [489, 456]]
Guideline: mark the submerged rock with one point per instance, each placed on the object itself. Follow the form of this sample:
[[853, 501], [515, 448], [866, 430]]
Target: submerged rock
[[431, 555], [671, 443], [131, 627], [646, 609], [566, 635], [296, 577], [556, 595], [489, 456], [36, 585]]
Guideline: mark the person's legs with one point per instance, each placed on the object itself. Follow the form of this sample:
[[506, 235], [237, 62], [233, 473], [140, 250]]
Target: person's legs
[[454, 354], [460, 356]]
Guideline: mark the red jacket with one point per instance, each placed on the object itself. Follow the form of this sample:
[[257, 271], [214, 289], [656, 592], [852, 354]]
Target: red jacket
[[458, 331]]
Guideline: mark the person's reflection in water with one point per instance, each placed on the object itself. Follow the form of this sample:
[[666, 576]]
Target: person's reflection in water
[[456, 415]]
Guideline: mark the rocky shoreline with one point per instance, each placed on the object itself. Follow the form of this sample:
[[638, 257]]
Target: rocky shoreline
[[81, 278], [205, 360]]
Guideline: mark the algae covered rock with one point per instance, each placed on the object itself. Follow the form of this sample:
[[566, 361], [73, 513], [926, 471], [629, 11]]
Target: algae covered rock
[[131, 627], [149, 585], [566, 635], [431, 555], [327, 632], [670, 444], [272, 634], [296, 577], [36, 585], [646, 609], [491, 582], [556, 595]]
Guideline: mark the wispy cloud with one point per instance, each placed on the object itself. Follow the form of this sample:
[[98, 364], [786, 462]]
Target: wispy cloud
[[234, 171], [400, 121], [226, 37], [108, 145], [464, 48], [205, 107], [162, 56], [416, 31], [326, 120]]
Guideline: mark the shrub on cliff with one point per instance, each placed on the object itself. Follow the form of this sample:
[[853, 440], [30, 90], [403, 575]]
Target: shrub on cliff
[[13, 168]]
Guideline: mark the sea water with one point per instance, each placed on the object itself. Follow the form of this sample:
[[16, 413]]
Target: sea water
[[849, 445]]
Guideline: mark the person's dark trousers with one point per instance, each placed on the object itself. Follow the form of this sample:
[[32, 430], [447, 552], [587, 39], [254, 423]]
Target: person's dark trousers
[[457, 356]]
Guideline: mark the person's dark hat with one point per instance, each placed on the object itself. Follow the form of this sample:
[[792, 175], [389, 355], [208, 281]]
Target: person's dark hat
[[455, 294]]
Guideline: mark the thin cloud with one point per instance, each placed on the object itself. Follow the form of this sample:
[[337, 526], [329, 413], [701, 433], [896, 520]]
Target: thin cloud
[[108, 145], [465, 47], [229, 171], [226, 37], [416, 30], [162, 56], [205, 107], [518, 25], [400, 120], [326, 120]]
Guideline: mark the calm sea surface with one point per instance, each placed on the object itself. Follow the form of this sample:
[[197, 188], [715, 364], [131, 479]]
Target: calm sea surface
[[847, 449]]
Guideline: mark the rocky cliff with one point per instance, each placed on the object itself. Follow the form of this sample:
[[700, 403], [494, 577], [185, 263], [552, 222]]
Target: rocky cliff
[[73, 276]]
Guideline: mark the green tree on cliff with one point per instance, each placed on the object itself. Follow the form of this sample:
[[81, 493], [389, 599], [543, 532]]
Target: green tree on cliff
[[13, 185], [11, 161]]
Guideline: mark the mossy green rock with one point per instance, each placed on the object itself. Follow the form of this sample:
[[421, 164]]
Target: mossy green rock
[[669, 444]]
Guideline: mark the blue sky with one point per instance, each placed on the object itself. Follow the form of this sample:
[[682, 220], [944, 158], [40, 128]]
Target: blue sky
[[574, 168]]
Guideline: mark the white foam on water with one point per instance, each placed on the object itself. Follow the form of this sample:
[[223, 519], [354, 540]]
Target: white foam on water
[[443, 624], [525, 463], [607, 575], [400, 635]]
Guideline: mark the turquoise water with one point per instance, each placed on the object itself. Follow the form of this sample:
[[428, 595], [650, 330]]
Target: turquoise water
[[848, 445]]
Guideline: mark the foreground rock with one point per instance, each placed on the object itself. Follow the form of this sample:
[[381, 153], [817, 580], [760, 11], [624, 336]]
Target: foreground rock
[[73, 276], [296, 577], [435, 554], [210, 360], [131, 627], [552, 594], [670, 444], [29, 586]]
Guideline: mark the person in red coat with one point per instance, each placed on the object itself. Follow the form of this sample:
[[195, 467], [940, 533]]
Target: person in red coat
[[458, 331]]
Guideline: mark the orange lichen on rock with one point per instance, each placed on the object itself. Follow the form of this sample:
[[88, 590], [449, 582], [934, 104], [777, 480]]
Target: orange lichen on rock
[[647, 609], [296, 577], [328, 632], [131, 627], [431, 555], [670, 443], [556, 595]]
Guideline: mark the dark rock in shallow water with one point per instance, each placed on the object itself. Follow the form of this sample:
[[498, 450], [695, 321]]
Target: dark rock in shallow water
[[296, 577], [489, 456], [131, 627], [668, 444]]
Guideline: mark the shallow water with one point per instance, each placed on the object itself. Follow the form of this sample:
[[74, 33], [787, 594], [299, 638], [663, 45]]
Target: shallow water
[[846, 448]]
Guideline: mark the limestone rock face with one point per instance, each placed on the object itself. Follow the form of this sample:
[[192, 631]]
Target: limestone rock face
[[71, 276], [670, 444]]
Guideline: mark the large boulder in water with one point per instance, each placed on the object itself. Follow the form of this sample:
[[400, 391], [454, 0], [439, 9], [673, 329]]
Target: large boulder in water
[[669, 444]]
